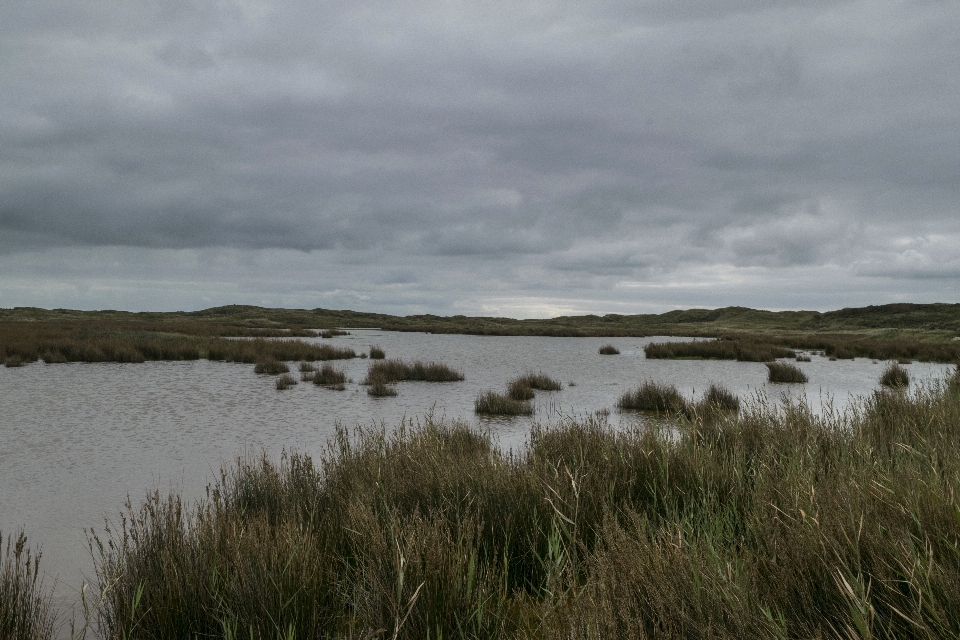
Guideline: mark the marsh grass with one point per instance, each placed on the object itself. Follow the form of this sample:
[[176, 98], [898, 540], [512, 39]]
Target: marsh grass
[[270, 366], [498, 404], [57, 342], [306, 367], [330, 378], [609, 350], [26, 607], [377, 353], [285, 381], [518, 389], [331, 333], [721, 398], [744, 349], [771, 523], [380, 388], [895, 377], [784, 372], [655, 397], [804, 358], [391, 371], [13, 361], [539, 381]]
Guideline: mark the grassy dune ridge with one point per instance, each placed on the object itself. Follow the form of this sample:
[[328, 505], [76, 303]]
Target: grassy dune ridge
[[773, 522]]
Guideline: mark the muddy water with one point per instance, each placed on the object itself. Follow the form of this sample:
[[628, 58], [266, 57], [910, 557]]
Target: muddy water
[[77, 439]]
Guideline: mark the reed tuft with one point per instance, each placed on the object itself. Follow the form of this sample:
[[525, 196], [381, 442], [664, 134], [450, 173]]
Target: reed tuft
[[496, 404], [270, 366], [609, 350], [655, 397], [895, 377], [377, 353], [285, 381], [785, 372]]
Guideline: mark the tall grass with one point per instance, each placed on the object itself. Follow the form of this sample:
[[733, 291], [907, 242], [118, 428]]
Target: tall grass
[[397, 370], [26, 608], [497, 404], [539, 381], [138, 342], [270, 366], [754, 349], [377, 353], [770, 523], [654, 396], [609, 350], [895, 377], [330, 378], [285, 381], [785, 372]]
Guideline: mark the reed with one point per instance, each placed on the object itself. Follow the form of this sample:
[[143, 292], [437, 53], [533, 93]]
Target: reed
[[13, 361], [329, 377], [784, 372], [520, 390], [377, 353], [397, 370], [745, 349], [895, 377], [285, 381], [655, 397], [539, 381], [331, 333], [380, 388], [771, 523], [609, 350], [492, 403], [270, 366], [26, 607], [719, 397]]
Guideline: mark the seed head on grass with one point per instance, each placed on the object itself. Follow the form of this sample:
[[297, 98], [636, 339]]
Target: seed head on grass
[[609, 350], [786, 373], [492, 403], [895, 377], [26, 609]]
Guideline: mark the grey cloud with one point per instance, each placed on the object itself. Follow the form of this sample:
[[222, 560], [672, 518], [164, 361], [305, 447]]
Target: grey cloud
[[580, 143]]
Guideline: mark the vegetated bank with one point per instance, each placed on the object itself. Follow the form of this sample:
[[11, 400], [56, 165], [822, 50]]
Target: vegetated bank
[[772, 522], [896, 331]]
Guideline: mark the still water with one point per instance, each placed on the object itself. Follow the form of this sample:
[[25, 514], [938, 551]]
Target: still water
[[77, 439]]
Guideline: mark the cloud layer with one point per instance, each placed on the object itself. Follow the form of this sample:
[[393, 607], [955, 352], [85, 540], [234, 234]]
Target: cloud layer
[[526, 159]]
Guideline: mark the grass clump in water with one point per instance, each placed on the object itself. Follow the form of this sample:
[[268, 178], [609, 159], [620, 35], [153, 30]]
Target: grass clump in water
[[609, 350], [396, 370], [26, 608], [330, 333], [270, 366], [497, 404], [285, 381], [13, 361], [330, 378], [655, 397], [539, 381], [380, 388], [895, 377], [377, 353], [520, 390], [721, 398], [785, 372]]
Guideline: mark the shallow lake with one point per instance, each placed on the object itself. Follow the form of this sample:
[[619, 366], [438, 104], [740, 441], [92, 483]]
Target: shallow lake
[[77, 439]]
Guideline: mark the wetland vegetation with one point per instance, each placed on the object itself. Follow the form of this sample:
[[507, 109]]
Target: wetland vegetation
[[784, 372], [770, 522], [895, 377]]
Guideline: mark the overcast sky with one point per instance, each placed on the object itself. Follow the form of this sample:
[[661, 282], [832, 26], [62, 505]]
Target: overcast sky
[[526, 159]]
